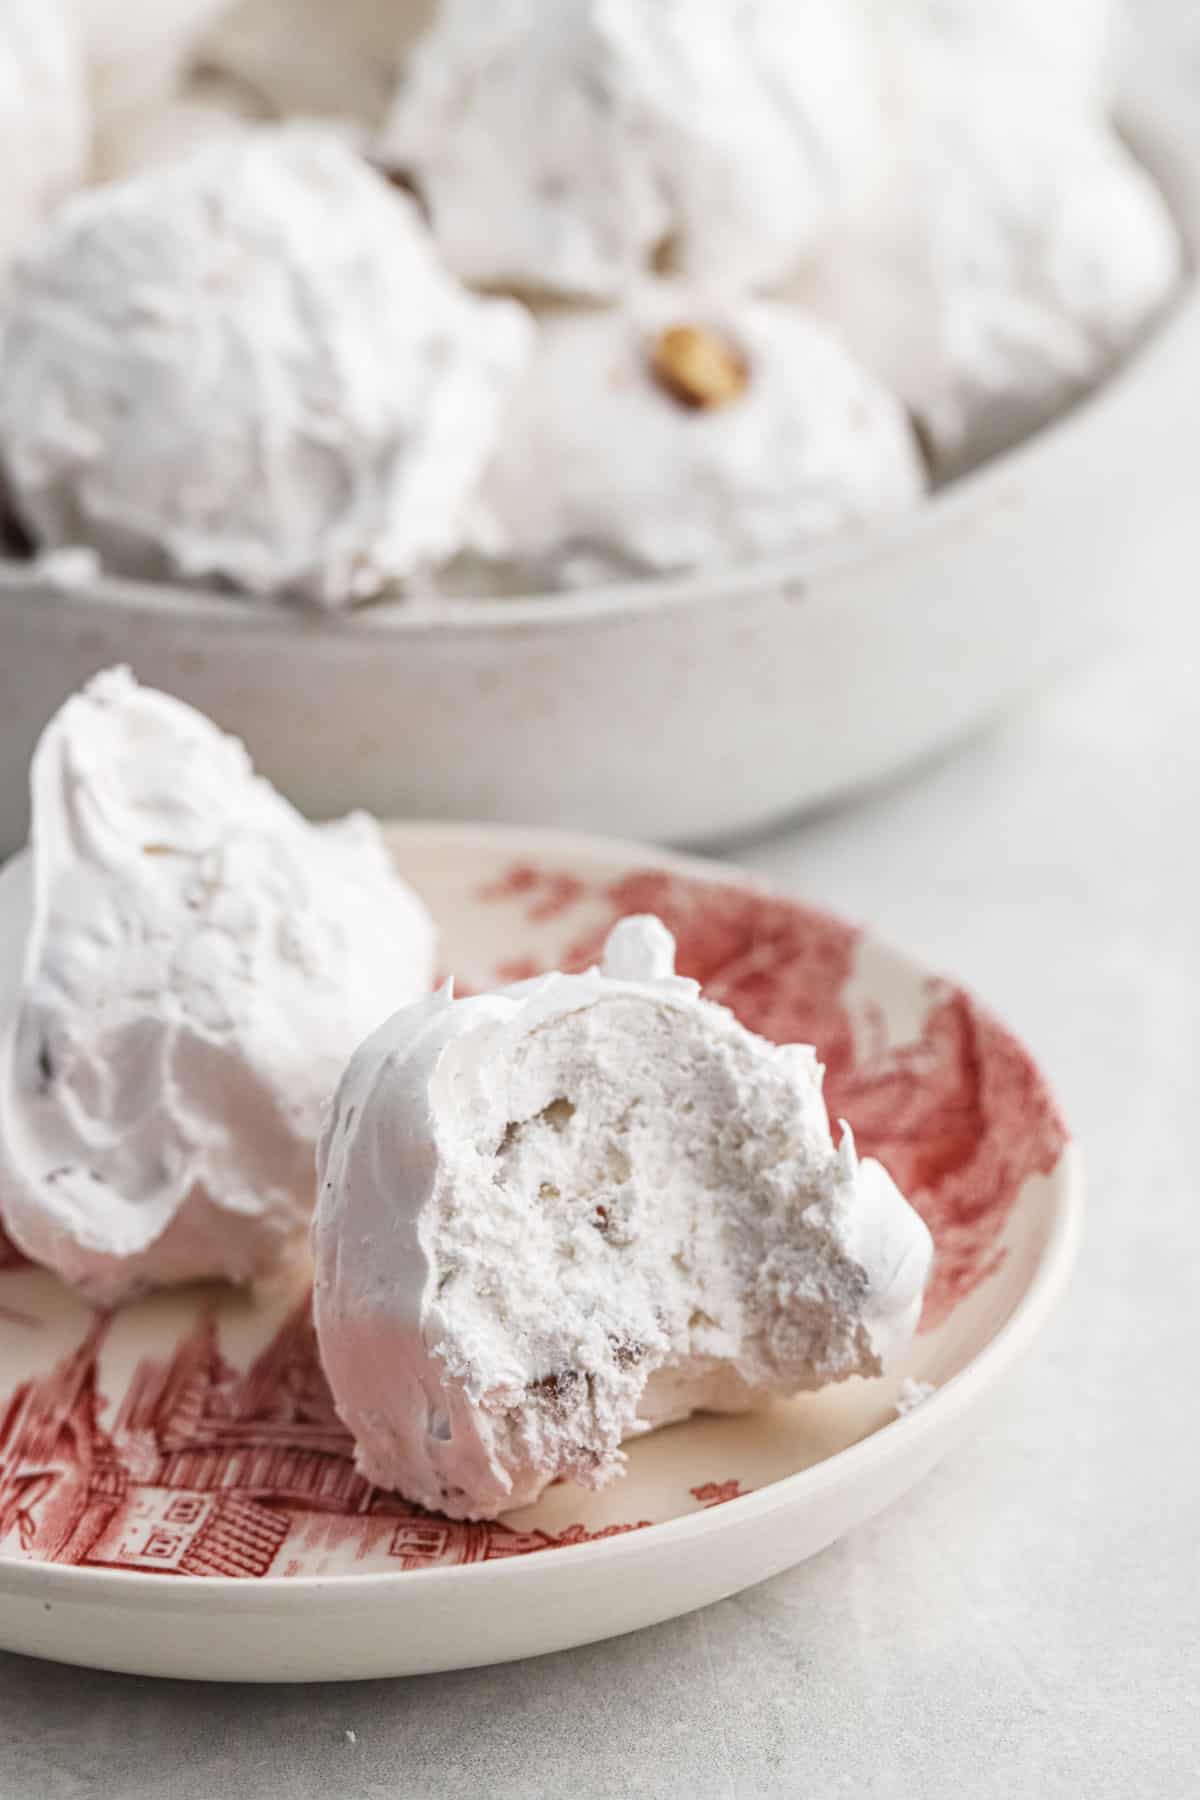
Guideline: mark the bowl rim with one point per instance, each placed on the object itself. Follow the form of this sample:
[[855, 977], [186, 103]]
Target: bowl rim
[[934, 1419]]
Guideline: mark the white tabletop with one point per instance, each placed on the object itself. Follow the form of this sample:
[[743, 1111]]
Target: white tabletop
[[1027, 1622]]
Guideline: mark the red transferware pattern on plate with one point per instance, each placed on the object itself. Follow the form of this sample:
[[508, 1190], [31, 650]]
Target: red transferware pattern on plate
[[185, 1463], [201, 1470], [960, 1116]]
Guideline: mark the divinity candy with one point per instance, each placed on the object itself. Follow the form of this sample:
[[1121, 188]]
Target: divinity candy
[[553, 1217], [249, 365], [687, 428], [1018, 250], [190, 966], [570, 148]]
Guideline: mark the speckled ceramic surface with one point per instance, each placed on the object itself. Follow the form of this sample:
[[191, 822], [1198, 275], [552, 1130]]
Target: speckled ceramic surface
[[177, 1495]]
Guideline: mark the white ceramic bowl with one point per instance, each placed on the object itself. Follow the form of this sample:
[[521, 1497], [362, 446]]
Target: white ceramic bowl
[[177, 1496], [688, 709]]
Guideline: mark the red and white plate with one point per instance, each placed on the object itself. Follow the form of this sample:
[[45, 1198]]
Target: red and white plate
[[177, 1496]]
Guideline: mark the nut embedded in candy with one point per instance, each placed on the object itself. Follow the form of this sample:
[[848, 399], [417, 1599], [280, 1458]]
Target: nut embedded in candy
[[685, 428], [699, 366]]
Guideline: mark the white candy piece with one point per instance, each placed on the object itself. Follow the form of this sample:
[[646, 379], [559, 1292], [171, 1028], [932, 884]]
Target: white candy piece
[[249, 365], [44, 124], [1067, 47], [318, 57], [1019, 250], [571, 148], [683, 430], [553, 1217], [198, 963], [1050, 251]]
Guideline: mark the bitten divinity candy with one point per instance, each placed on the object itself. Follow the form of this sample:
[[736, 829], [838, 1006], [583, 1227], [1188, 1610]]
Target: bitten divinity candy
[[250, 365], [198, 964], [555, 1216], [569, 148], [683, 429]]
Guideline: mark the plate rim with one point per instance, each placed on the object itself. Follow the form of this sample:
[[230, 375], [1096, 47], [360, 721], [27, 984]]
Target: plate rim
[[131, 1589]]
